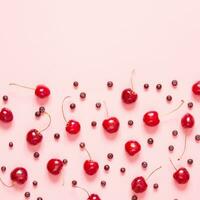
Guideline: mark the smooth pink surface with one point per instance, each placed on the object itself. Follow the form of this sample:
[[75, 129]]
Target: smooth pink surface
[[57, 42]]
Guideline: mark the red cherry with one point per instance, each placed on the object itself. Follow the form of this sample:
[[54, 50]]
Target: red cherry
[[73, 127], [151, 118], [129, 96], [132, 147], [93, 197], [111, 125], [42, 91], [139, 185], [91, 167], [196, 88], [6, 115], [54, 166], [187, 121], [34, 137], [19, 175], [181, 176]]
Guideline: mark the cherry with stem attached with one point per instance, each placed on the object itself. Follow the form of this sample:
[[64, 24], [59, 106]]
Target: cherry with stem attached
[[128, 95], [152, 118], [34, 136], [90, 166], [41, 91], [90, 196], [110, 124], [72, 126], [139, 184], [181, 175]]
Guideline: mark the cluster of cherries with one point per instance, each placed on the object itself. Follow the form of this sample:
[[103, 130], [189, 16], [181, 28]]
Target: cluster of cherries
[[111, 125]]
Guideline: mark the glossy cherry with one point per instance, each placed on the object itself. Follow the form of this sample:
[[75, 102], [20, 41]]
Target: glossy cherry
[[41, 91], [181, 175], [132, 147], [187, 121], [6, 115], [73, 127], [151, 118], [19, 175], [54, 166], [111, 125], [196, 88]]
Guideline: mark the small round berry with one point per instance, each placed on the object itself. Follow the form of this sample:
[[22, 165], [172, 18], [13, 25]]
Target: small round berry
[[98, 105], [174, 83], [197, 138], [171, 148], [190, 161], [27, 194], [36, 155], [5, 98], [35, 183], [41, 109], [169, 98], [72, 106], [93, 123], [130, 122], [37, 113], [123, 170], [74, 183], [75, 83], [3, 168], [11, 144], [82, 95], [65, 161], [39, 198], [190, 105], [110, 84], [82, 145], [56, 136], [150, 141], [134, 197], [155, 186], [146, 86], [110, 156], [158, 86], [174, 133], [106, 167], [144, 164], [103, 183]]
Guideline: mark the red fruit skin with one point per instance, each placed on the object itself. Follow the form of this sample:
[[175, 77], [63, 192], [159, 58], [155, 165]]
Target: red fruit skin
[[151, 118], [93, 197], [90, 167], [181, 176], [6, 115], [111, 125], [42, 91], [139, 185], [196, 88], [54, 166], [129, 96], [132, 147], [187, 121], [34, 137], [73, 127], [19, 175]]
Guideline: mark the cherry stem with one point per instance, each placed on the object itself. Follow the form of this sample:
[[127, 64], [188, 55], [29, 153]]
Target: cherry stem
[[48, 125], [185, 145], [82, 189], [106, 108], [173, 164], [8, 186], [22, 86], [63, 112], [88, 153], [132, 72], [177, 108], [153, 172]]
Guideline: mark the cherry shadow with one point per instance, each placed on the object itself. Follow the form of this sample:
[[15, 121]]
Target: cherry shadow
[[33, 148], [72, 137], [54, 178], [90, 178], [129, 106], [110, 136], [132, 159], [151, 130], [5, 126], [41, 101]]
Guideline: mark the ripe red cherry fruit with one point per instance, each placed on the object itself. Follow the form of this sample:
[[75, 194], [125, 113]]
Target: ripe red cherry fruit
[[6, 115], [90, 166], [132, 147], [73, 127], [196, 88], [41, 91], [54, 166], [110, 124], [139, 184], [128, 95], [34, 136], [151, 118], [19, 175], [187, 121]]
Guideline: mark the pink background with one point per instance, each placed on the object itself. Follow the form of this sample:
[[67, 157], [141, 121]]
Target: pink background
[[57, 42]]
